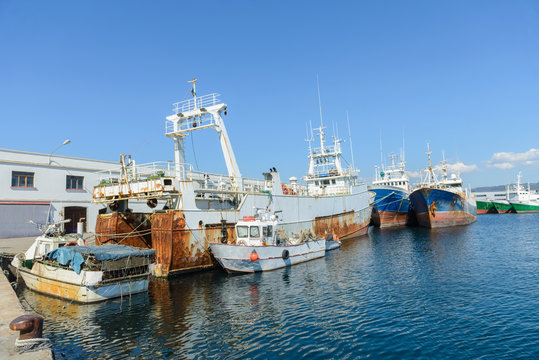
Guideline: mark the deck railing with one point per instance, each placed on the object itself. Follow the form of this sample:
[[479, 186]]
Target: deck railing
[[201, 101]]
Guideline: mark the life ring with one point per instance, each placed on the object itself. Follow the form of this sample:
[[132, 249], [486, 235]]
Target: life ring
[[286, 254]]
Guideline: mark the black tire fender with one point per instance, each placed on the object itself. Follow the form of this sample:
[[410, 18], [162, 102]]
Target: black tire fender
[[286, 254]]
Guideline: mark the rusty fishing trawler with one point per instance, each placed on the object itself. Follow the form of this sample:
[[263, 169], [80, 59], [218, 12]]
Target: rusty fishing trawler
[[392, 188], [442, 203], [198, 208]]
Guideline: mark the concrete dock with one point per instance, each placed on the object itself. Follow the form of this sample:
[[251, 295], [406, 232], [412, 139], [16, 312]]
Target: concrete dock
[[11, 307]]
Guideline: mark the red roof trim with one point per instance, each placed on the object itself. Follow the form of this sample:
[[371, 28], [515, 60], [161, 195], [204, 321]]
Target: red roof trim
[[25, 202]]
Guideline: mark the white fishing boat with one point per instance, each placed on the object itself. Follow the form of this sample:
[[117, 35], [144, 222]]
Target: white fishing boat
[[262, 245], [57, 265]]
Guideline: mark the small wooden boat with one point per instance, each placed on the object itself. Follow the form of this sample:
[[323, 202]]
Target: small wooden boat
[[57, 266], [88, 274], [260, 246]]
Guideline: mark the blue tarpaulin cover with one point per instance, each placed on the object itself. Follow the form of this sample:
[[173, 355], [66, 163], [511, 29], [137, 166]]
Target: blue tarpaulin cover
[[73, 255]]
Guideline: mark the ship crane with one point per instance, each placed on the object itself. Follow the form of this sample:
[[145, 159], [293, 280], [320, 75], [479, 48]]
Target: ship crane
[[200, 113]]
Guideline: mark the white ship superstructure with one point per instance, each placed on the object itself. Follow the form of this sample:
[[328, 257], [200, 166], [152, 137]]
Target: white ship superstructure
[[203, 207]]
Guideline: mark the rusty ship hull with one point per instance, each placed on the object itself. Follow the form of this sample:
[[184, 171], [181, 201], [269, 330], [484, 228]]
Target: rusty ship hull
[[392, 206], [181, 238], [436, 208], [390, 219]]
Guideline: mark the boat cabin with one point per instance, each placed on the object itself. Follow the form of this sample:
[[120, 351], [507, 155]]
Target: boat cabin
[[51, 239], [257, 231], [393, 176]]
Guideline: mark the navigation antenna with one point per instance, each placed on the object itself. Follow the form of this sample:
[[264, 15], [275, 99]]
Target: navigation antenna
[[309, 138], [350, 138], [444, 165], [381, 152], [403, 149], [194, 90], [428, 154], [319, 102]]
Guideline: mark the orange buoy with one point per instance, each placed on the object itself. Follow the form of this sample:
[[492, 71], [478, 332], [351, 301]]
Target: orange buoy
[[253, 256]]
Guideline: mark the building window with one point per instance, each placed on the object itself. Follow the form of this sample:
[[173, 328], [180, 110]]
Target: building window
[[22, 179], [74, 182]]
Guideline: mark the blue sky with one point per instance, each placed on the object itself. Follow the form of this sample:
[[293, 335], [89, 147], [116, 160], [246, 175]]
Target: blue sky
[[462, 75]]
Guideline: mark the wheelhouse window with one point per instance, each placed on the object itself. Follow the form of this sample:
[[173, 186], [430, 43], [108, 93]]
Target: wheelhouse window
[[267, 230], [22, 179], [255, 232], [243, 231], [74, 182]]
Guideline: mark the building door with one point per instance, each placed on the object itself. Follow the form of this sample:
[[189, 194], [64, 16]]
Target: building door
[[15, 217], [75, 213]]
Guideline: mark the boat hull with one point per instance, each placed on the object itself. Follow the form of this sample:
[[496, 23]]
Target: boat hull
[[236, 258], [181, 238], [332, 245], [435, 208], [392, 206], [520, 207], [485, 207], [66, 284], [503, 207]]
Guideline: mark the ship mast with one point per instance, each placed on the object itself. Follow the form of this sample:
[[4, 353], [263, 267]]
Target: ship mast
[[194, 91], [197, 114], [431, 175]]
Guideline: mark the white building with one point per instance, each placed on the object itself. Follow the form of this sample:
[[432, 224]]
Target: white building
[[45, 188]]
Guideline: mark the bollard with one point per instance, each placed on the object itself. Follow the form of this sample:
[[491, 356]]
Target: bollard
[[31, 329], [30, 326]]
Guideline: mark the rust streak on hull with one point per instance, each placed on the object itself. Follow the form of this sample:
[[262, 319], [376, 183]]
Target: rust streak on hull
[[180, 249], [124, 228], [393, 218], [445, 219], [345, 225]]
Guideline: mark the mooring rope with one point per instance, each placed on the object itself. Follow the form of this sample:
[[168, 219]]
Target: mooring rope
[[27, 345]]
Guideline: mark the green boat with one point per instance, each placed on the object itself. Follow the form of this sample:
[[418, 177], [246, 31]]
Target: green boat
[[525, 207], [485, 207], [503, 206]]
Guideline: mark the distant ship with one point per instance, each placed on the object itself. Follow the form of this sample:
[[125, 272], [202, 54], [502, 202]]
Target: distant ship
[[522, 200], [502, 205], [392, 189], [484, 205], [442, 203]]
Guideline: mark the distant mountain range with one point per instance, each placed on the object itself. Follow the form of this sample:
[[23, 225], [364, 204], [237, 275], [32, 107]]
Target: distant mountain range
[[533, 186]]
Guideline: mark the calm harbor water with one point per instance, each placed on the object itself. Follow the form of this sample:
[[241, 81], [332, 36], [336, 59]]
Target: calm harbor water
[[466, 292]]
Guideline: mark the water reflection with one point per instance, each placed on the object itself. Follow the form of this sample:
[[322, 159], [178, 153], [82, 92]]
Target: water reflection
[[463, 292]]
